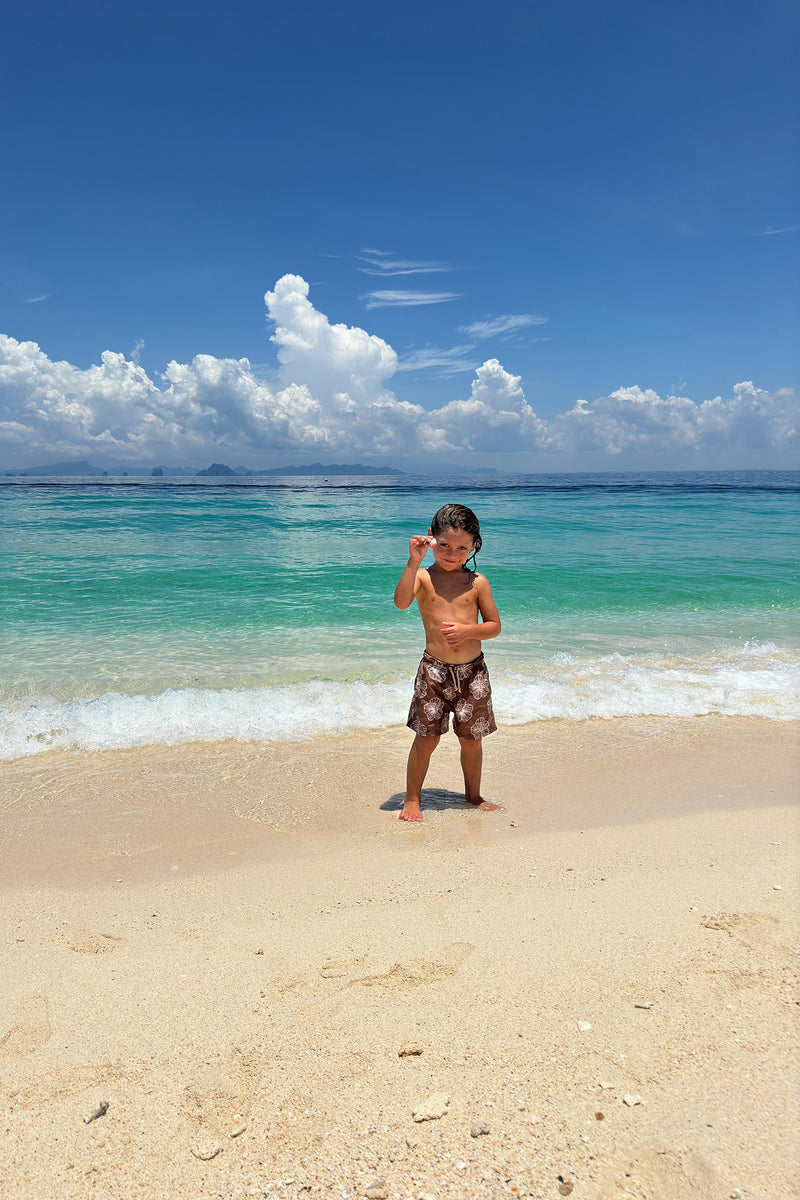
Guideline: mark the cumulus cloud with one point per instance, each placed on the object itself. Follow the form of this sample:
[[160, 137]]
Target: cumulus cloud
[[333, 395], [507, 323]]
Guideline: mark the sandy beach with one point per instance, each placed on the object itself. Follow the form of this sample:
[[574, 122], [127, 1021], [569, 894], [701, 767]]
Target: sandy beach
[[213, 955]]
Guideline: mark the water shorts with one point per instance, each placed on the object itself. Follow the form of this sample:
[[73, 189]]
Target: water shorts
[[462, 689]]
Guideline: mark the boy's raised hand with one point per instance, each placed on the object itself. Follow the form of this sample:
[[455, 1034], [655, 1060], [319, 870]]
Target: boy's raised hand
[[418, 547]]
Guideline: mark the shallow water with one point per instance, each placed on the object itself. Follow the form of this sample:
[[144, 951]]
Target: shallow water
[[170, 611]]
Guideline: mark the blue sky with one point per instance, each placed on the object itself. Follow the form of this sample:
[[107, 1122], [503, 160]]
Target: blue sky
[[599, 198]]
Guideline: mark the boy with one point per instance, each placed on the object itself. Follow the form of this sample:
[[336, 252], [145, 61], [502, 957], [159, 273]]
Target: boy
[[452, 676]]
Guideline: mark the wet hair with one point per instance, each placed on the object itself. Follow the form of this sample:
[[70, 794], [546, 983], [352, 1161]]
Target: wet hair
[[458, 516]]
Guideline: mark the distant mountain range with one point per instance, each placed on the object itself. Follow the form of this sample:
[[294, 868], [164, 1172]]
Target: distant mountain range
[[83, 469]]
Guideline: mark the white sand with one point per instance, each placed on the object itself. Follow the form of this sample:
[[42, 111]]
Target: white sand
[[221, 940]]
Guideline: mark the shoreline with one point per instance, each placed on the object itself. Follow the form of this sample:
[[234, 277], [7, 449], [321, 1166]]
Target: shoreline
[[229, 944], [206, 804]]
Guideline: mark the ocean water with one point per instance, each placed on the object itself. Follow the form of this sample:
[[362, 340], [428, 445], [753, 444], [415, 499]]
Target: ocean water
[[169, 611]]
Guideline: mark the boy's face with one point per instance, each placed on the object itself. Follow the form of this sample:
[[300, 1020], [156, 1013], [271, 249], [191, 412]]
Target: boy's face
[[453, 548]]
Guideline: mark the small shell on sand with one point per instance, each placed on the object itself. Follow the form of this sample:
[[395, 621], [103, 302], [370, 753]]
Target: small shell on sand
[[409, 1050], [632, 1100], [584, 1026], [238, 1131], [377, 1190], [431, 1109], [479, 1129], [206, 1150]]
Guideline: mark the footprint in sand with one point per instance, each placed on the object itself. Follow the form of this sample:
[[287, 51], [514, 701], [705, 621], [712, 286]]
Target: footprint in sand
[[218, 1097], [31, 1030], [415, 972], [657, 1172], [755, 931], [87, 942]]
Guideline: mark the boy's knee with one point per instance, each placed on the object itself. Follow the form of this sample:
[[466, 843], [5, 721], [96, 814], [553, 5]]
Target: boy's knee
[[468, 743], [429, 742]]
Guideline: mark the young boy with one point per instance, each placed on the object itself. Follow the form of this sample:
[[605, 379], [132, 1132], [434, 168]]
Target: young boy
[[452, 676]]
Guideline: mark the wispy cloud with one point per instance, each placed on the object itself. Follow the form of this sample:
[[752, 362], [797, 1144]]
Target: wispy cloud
[[380, 262], [36, 299], [770, 232], [399, 299], [445, 362], [507, 323]]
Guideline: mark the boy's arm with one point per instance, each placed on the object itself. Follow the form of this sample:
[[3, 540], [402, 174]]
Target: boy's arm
[[490, 625], [455, 634], [408, 583]]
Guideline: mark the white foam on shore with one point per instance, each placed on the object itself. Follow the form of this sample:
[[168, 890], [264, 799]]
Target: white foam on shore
[[758, 680]]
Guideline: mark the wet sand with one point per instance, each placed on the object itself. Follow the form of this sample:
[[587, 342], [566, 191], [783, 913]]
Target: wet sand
[[229, 944]]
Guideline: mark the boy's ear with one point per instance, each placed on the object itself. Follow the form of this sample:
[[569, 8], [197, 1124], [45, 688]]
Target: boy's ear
[[430, 534]]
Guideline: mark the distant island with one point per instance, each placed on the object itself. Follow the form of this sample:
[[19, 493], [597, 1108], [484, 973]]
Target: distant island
[[85, 470], [331, 469]]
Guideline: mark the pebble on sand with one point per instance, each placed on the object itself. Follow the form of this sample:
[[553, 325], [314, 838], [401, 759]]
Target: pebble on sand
[[409, 1049], [479, 1129], [377, 1190], [206, 1150], [431, 1109], [100, 1111], [584, 1026], [632, 1100]]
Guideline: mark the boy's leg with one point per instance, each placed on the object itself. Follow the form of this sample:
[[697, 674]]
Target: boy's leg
[[418, 759], [471, 765]]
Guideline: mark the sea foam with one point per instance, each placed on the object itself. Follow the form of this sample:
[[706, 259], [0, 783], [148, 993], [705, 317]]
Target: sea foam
[[756, 680]]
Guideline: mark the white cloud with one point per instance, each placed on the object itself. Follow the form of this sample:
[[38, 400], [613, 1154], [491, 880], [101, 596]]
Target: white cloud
[[37, 299], [770, 232], [387, 267], [446, 362], [331, 394], [507, 323], [381, 262], [401, 299]]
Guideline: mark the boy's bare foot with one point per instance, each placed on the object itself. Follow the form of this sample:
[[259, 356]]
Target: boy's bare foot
[[486, 805], [411, 811]]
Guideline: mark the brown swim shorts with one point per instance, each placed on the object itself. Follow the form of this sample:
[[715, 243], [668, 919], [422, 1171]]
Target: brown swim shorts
[[462, 689]]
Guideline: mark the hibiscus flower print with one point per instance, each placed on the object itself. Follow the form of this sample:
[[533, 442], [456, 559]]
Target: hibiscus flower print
[[436, 673], [464, 710], [480, 728], [433, 708], [479, 686], [420, 686]]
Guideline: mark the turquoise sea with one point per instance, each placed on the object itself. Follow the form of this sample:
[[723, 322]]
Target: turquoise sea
[[169, 611]]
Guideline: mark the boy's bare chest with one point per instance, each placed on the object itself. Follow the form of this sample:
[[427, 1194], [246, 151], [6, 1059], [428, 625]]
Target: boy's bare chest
[[453, 595]]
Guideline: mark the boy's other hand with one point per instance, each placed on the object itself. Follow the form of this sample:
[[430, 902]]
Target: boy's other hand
[[456, 634]]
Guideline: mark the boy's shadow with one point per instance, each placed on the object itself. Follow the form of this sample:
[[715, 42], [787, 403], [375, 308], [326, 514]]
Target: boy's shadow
[[433, 800]]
